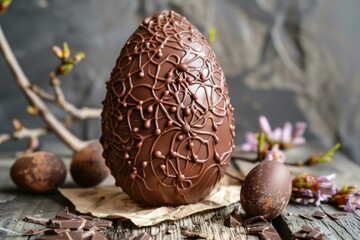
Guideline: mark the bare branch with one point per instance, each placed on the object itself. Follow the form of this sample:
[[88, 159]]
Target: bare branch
[[22, 81]]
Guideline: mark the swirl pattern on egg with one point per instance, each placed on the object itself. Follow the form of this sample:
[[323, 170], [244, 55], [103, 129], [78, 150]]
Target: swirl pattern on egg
[[167, 121]]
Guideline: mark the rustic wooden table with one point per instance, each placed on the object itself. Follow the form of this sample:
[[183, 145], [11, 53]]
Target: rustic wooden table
[[15, 204]]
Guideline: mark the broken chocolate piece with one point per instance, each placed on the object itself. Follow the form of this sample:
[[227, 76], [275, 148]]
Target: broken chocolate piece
[[71, 224], [306, 217], [319, 214], [67, 216], [230, 221], [193, 235], [306, 228], [255, 220], [309, 233], [300, 235], [269, 234], [37, 220], [314, 234]]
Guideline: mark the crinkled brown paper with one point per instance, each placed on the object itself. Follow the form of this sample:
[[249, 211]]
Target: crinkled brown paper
[[112, 202]]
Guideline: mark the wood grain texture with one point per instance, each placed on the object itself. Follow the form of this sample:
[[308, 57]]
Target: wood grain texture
[[209, 222]]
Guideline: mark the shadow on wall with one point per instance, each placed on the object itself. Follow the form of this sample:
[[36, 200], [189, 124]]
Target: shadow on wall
[[288, 60]]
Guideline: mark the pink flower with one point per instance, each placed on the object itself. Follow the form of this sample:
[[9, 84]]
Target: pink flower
[[275, 154], [286, 136]]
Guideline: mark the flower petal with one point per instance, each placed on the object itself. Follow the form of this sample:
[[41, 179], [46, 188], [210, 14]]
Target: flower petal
[[265, 125]]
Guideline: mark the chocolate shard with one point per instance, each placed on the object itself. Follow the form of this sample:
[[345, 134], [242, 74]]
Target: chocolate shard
[[230, 221], [319, 214], [37, 220], [98, 236], [71, 224], [144, 236], [306, 217], [306, 228], [90, 225], [314, 234], [68, 216], [300, 235], [269, 234], [309, 233], [255, 220], [193, 235]]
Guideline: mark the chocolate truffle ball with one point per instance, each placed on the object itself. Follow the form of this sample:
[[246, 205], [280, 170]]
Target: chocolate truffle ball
[[38, 172], [266, 190], [88, 167], [167, 122]]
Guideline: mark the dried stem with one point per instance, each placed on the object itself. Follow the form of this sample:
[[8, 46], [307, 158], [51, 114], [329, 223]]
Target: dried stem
[[60, 100], [23, 133], [51, 121]]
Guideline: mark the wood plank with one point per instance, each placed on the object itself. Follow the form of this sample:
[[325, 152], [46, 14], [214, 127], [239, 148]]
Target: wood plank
[[48, 205], [210, 222]]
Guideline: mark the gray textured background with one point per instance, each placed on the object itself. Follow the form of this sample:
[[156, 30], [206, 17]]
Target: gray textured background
[[288, 60]]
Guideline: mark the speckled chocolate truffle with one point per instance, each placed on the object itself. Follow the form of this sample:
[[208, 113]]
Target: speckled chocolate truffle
[[266, 190], [88, 167], [167, 122], [38, 172]]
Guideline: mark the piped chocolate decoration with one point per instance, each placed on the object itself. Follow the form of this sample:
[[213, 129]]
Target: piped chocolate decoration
[[167, 121]]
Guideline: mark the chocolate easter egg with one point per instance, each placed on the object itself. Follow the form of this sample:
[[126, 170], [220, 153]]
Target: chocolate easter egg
[[38, 172], [266, 190], [167, 122]]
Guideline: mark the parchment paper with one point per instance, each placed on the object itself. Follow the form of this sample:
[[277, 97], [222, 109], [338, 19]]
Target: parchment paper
[[112, 202]]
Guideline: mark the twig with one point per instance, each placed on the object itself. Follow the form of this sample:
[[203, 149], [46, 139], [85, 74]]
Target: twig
[[51, 121], [23, 133], [60, 100]]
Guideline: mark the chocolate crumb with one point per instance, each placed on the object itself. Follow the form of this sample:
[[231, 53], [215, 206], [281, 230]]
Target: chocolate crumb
[[193, 235], [306, 217], [230, 221], [319, 214]]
